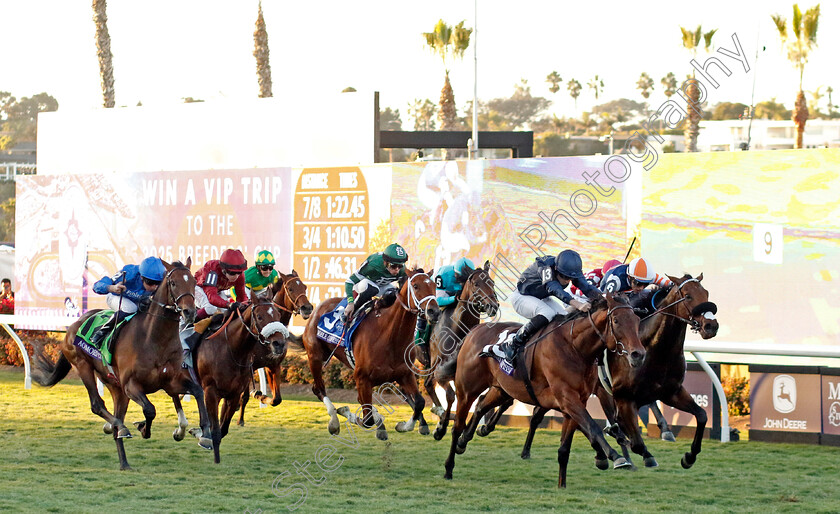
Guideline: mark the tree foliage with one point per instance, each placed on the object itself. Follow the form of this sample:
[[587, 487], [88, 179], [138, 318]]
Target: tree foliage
[[518, 110], [669, 83], [389, 119], [729, 111], [645, 85], [423, 114], [553, 79], [19, 118], [448, 43], [261, 54], [103, 52], [574, 88]]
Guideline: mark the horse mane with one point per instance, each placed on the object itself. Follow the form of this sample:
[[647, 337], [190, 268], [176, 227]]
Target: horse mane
[[178, 265]]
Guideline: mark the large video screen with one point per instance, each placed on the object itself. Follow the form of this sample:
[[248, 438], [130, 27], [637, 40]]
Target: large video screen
[[763, 228]]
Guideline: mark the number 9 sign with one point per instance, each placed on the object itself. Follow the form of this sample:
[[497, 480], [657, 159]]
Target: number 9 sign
[[767, 243]]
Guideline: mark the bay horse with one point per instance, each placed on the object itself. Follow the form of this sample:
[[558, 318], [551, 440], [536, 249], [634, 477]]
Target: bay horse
[[661, 376], [381, 343], [562, 375], [224, 361], [289, 296], [147, 357]]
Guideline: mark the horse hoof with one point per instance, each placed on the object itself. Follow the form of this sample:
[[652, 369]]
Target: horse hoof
[[527, 455], [178, 434], [334, 427], [401, 427], [240, 423], [448, 475], [123, 433], [668, 436], [382, 435], [460, 449], [108, 428], [439, 433], [126, 468], [482, 431], [195, 432], [344, 411], [688, 460], [424, 430], [437, 411], [622, 463], [205, 443], [650, 462], [602, 464]]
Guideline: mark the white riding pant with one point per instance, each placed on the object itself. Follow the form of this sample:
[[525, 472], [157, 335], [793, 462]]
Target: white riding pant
[[201, 302], [364, 284], [127, 306], [530, 306]]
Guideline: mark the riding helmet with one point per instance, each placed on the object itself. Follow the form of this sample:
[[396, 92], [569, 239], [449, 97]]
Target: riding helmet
[[265, 258], [640, 270], [463, 266], [152, 269], [395, 253], [569, 264], [233, 260]]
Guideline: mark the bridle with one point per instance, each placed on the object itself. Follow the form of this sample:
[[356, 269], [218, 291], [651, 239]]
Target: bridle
[[172, 304], [619, 349], [694, 324], [251, 327], [296, 309], [477, 305], [412, 296]]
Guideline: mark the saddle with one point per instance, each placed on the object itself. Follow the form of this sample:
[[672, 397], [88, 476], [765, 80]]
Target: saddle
[[89, 327]]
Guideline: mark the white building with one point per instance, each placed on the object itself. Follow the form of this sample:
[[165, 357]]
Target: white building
[[727, 135]]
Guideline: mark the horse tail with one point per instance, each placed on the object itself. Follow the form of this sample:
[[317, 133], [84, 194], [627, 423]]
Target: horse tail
[[46, 373], [295, 341]]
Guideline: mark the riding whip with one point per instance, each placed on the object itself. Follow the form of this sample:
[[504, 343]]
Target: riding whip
[[629, 250]]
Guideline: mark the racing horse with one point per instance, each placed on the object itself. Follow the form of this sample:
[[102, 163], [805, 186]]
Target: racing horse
[[289, 294], [224, 361], [147, 357], [661, 377], [562, 373], [380, 345]]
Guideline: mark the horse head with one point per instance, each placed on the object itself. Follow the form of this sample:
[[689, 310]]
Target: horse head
[[295, 298], [694, 300], [177, 292], [420, 293], [623, 330], [480, 293], [262, 320]]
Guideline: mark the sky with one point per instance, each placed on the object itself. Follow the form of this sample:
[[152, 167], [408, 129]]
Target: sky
[[165, 50]]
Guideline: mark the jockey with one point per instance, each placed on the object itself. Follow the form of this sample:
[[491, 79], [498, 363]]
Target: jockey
[[449, 282], [262, 274], [547, 276], [137, 283], [220, 275], [634, 278], [376, 275], [595, 276]]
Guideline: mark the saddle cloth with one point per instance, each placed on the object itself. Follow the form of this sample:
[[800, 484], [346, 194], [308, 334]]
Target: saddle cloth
[[497, 353], [331, 327], [88, 329]]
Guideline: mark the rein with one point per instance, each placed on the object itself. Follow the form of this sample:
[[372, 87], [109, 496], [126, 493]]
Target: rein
[[695, 326], [610, 330], [412, 296], [173, 308]]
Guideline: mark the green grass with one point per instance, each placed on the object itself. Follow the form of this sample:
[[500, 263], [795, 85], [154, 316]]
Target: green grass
[[56, 459]]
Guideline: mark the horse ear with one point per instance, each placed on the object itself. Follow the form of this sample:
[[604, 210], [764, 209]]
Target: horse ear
[[487, 265], [673, 279], [189, 262], [700, 277], [610, 299], [166, 264], [431, 272], [295, 273]]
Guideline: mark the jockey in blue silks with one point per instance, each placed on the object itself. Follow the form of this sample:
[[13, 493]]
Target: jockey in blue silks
[[139, 282], [450, 280]]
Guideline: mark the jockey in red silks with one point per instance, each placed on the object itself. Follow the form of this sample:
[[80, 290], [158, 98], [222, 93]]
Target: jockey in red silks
[[595, 276], [220, 275]]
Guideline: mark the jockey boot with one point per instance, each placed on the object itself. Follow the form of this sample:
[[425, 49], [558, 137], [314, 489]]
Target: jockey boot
[[104, 330], [420, 331], [522, 336]]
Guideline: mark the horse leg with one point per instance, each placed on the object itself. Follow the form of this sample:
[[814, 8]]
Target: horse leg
[[204, 433], [494, 418], [577, 411], [464, 403], [369, 416], [627, 415], [683, 401], [181, 431], [665, 432], [120, 432], [135, 392], [440, 430], [429, 385], [320, 390], [228, 411], [243, 401], [97, 404], [569, 427], [274, 385], [613, 428], [536, 418], [412, 391], [211, 399], [488, 402]]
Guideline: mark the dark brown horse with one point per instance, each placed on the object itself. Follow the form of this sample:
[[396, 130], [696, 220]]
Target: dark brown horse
[[561, 361], [289, 295], [224, 361], [147, 357], [381, 343], [662, 374]]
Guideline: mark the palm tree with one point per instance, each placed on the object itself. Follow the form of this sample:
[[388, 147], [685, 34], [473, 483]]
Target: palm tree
[[261, 53], [805, 30], [423, 112], [554, 79], [103, 52], [574, 88], [829, 90], [645, 84], [691, 41], [449, 43], [596, 85], [669, 82]]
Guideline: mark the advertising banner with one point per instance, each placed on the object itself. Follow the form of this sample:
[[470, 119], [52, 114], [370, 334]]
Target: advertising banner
[[71, 230], [785, 402], [831, 405]]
